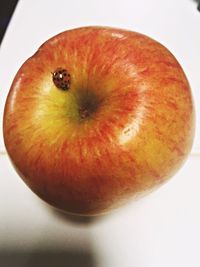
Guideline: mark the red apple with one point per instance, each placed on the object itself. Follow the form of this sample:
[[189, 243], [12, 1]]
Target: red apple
[[98, 116]]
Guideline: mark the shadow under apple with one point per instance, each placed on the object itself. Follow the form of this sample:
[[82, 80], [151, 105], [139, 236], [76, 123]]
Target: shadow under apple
[[76, 219], [50, 258]]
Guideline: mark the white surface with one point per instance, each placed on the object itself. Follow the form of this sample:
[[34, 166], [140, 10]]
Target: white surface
[[160, 230]]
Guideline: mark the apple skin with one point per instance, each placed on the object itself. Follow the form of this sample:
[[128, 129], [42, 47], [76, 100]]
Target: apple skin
[[137, 131]]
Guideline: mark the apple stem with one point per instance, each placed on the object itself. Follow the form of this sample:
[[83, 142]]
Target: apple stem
[[84, 113]]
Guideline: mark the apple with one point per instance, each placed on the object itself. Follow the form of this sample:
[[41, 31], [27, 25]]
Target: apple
[[96, 117]]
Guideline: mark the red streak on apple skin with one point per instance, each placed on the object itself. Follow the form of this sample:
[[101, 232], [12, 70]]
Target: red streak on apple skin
[[138, 136]]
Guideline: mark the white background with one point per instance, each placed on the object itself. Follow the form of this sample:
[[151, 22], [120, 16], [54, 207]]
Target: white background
[[159, 230]]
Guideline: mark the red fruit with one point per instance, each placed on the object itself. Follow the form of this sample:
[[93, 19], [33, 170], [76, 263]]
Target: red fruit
[[124, 125]]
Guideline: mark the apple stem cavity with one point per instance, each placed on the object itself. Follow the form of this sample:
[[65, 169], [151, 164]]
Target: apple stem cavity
[[84, 113], [88, 103], [61, 78]]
